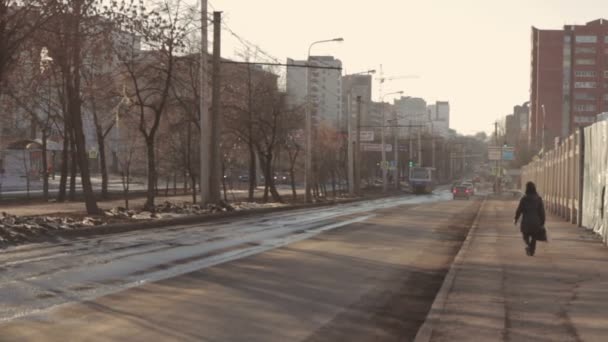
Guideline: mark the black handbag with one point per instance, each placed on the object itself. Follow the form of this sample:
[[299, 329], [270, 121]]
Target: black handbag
[[542, 234]]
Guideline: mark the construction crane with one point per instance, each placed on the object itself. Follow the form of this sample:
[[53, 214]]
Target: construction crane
[[384, 78], [394, 78]]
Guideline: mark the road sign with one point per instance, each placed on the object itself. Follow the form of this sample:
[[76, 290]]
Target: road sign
[[366, 136], [376, 147], [508, 154], [494, 153]]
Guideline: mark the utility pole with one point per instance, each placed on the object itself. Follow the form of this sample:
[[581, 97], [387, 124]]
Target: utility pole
[[419, 149], [410, 148], [215, 174], [351, 142], [205, 119], [384, 163], [496, 177], [433, 151], [308, 128], [358, 149], [383, 147], [396, 151], [433, 146]]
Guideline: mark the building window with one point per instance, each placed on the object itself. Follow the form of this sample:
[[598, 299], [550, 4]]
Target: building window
[[605, 73], [585, 84], [585, 73], [584, 96], [606, 39], [567, 39], [587, 49], [586, 39], [584, 119], [585, 107], [605, 97], [585, 61]]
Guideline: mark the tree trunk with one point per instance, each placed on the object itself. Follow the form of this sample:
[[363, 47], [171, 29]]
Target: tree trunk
[[333, 183], [224, 182], [252, 173], [101, 143], [269, 183], [63, 179], [45, 166], [75, 110], [149, 206], [193, 180], [292, 175], [125, 175], [73, 170], [174, 183], [186, 182], [167, 181]]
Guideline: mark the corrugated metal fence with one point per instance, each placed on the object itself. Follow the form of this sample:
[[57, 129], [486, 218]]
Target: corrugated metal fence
[[572, 178], [556, 176]]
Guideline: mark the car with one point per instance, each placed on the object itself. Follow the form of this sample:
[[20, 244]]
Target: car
[[461, 191], [470, 186]]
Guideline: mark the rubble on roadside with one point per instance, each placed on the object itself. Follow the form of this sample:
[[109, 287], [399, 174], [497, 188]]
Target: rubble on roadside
[[21, 229], [170, 209]]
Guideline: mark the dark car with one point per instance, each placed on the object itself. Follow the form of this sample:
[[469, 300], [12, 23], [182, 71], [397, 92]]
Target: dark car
[[462, 192]]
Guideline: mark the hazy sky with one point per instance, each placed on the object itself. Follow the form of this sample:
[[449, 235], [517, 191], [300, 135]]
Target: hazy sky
[[473, 53]]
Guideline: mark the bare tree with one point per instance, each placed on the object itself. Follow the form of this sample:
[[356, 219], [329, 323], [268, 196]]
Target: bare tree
[[150, 73], [249, 93], [31, 90], [185, 92], [19, 20], [73, 23]]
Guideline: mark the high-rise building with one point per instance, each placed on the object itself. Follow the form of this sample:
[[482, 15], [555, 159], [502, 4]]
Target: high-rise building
[[439, 118], [325, 87], [569, 80], [411, 111], [352, 87]]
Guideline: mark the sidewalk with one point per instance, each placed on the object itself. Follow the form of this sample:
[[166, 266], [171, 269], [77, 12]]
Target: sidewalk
[[500, 294]]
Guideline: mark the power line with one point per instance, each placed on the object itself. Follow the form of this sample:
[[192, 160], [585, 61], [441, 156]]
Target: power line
[[282, 64]]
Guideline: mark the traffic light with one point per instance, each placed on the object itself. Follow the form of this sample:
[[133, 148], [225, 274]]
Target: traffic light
[[411, 164]]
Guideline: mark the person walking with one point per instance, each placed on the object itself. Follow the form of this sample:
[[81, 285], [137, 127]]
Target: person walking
[[532, 212]]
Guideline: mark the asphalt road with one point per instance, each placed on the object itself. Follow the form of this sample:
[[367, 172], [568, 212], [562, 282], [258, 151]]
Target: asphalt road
[[359, 272]]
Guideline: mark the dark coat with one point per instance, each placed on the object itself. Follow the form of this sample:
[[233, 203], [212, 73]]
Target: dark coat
[[532, 209]]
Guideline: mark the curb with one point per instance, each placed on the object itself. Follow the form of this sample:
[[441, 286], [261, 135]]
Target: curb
[[425, 332], [118, 228]]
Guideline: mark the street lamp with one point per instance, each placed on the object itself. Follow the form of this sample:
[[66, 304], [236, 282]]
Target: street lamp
[[308, 128], [383, 164]]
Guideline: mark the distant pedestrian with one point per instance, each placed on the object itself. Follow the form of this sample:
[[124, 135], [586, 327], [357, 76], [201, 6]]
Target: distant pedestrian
[[532, 211]]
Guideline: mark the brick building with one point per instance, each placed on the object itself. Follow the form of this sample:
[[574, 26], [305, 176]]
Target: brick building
[[569, 80]]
